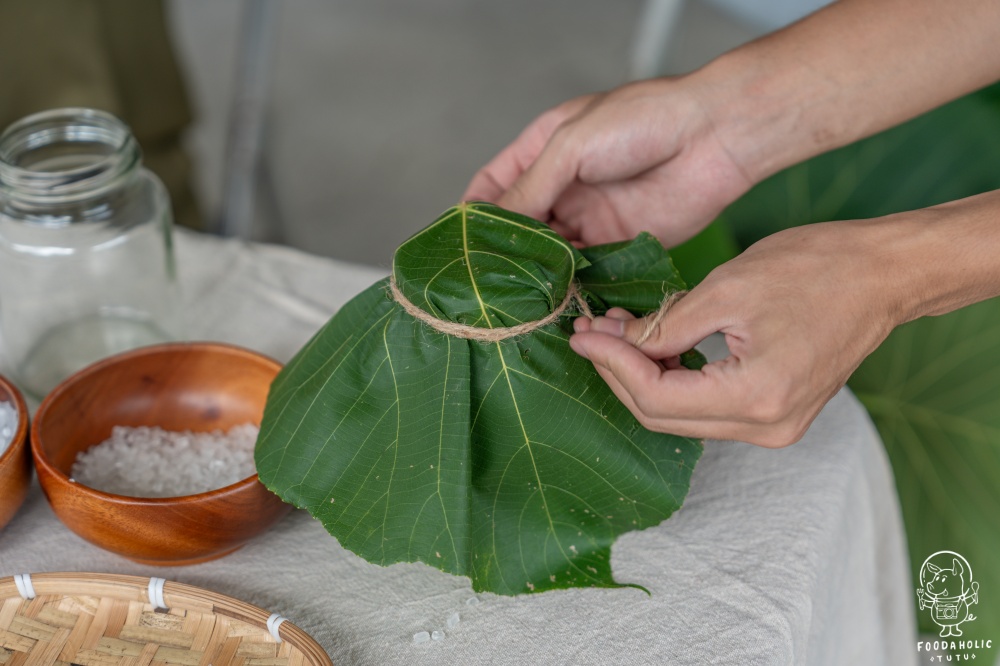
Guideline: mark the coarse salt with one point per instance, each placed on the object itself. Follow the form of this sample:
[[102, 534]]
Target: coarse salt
[[152, 462], [8, 424]]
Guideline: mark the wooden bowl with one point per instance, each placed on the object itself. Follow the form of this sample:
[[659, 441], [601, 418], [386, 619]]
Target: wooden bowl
[[15, 462], [178, 386]]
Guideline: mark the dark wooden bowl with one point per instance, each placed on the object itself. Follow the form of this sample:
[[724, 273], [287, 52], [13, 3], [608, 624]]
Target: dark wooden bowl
[[15, 463], [179, 386]]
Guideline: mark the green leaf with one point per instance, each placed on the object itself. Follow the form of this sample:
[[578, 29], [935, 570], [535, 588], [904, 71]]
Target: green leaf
[[634, 275], [508, 462], [482, 266], [933, 387], [950, 153]]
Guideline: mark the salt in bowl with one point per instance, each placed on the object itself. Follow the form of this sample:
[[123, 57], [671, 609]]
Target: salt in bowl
[[201, 387], [15, 461]]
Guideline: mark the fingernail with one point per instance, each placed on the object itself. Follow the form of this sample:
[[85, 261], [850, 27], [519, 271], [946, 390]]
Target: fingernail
[[614, 327], [581, 324], [575, 345]]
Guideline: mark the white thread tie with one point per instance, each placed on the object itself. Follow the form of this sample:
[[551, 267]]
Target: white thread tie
[[24, 586], [273, 623], [156, 593]]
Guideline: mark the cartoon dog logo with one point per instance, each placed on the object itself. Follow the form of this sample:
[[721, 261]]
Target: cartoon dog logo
[[948, 591]]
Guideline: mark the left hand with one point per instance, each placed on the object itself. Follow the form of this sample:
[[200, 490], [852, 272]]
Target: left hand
[[799, 310], [647, 156]]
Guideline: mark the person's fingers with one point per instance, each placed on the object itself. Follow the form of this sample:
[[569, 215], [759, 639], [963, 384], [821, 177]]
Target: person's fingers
[[676, 333], [592, 211], [536, 190], [621, 314], [609, 325], [490, 182], [583, 324], [697, 428], [718, 401], [485, 186], [547, 175], [493, 180], [612, 323], [503, 170], [688, 322], [682, 427], [715, 392], [611, 379], [570, 233]]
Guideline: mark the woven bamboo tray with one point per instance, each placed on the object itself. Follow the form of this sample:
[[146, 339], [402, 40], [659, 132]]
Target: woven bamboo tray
[[95, 619]]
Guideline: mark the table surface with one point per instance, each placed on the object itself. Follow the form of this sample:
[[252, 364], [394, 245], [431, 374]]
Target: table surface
[[794, 556]]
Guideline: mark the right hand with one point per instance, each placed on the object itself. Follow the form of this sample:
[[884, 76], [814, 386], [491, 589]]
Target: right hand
[[799, 310], [602, 168]]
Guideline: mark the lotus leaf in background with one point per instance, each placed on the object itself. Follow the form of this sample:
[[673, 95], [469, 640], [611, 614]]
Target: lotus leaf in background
[[510, 462], [933, 387]]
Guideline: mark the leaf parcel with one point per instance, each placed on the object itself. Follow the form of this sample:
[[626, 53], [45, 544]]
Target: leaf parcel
[[510, 462]]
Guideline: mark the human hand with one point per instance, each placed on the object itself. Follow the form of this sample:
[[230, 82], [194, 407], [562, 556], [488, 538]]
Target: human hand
[[799, 310], [602, 168], [667, 155]]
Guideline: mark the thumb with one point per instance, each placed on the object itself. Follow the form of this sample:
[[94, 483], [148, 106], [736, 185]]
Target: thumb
[[679, 325], [535, 191]]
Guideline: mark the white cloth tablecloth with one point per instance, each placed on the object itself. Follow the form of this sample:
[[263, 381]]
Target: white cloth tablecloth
[[794, 556]]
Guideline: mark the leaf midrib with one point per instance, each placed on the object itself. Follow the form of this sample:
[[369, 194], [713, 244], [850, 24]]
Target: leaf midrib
[[534, 467], [468, 265]]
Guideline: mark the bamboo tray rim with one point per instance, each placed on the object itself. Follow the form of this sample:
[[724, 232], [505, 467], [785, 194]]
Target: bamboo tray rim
[[174, 595]]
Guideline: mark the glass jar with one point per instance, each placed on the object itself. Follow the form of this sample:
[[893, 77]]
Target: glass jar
[[86, 258]]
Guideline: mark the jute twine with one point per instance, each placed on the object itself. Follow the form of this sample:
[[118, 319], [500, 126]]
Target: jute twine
[[489, 334], [468, 332], [653, 320]]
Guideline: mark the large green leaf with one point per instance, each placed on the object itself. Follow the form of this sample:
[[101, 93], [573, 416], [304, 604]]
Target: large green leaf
[[933, 387], [933, 390], [950, 153], [508, 462]]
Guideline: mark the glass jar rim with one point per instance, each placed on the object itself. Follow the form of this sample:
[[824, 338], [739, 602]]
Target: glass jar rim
[[66, 126]]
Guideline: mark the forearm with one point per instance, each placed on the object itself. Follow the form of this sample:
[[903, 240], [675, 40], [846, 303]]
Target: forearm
[[944, 257], [853, 69], [800, 310]]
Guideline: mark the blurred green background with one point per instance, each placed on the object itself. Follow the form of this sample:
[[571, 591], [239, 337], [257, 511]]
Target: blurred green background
[[933, 387]]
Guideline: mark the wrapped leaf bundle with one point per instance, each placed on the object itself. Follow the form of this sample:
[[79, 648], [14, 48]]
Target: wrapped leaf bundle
[[485, 451]]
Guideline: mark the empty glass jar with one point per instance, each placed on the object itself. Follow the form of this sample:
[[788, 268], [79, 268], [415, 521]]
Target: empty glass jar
[[86, 259]]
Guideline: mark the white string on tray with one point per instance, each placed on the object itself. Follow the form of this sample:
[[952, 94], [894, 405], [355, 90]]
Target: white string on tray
[[24, 586], [156, 592], [273, 623]]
